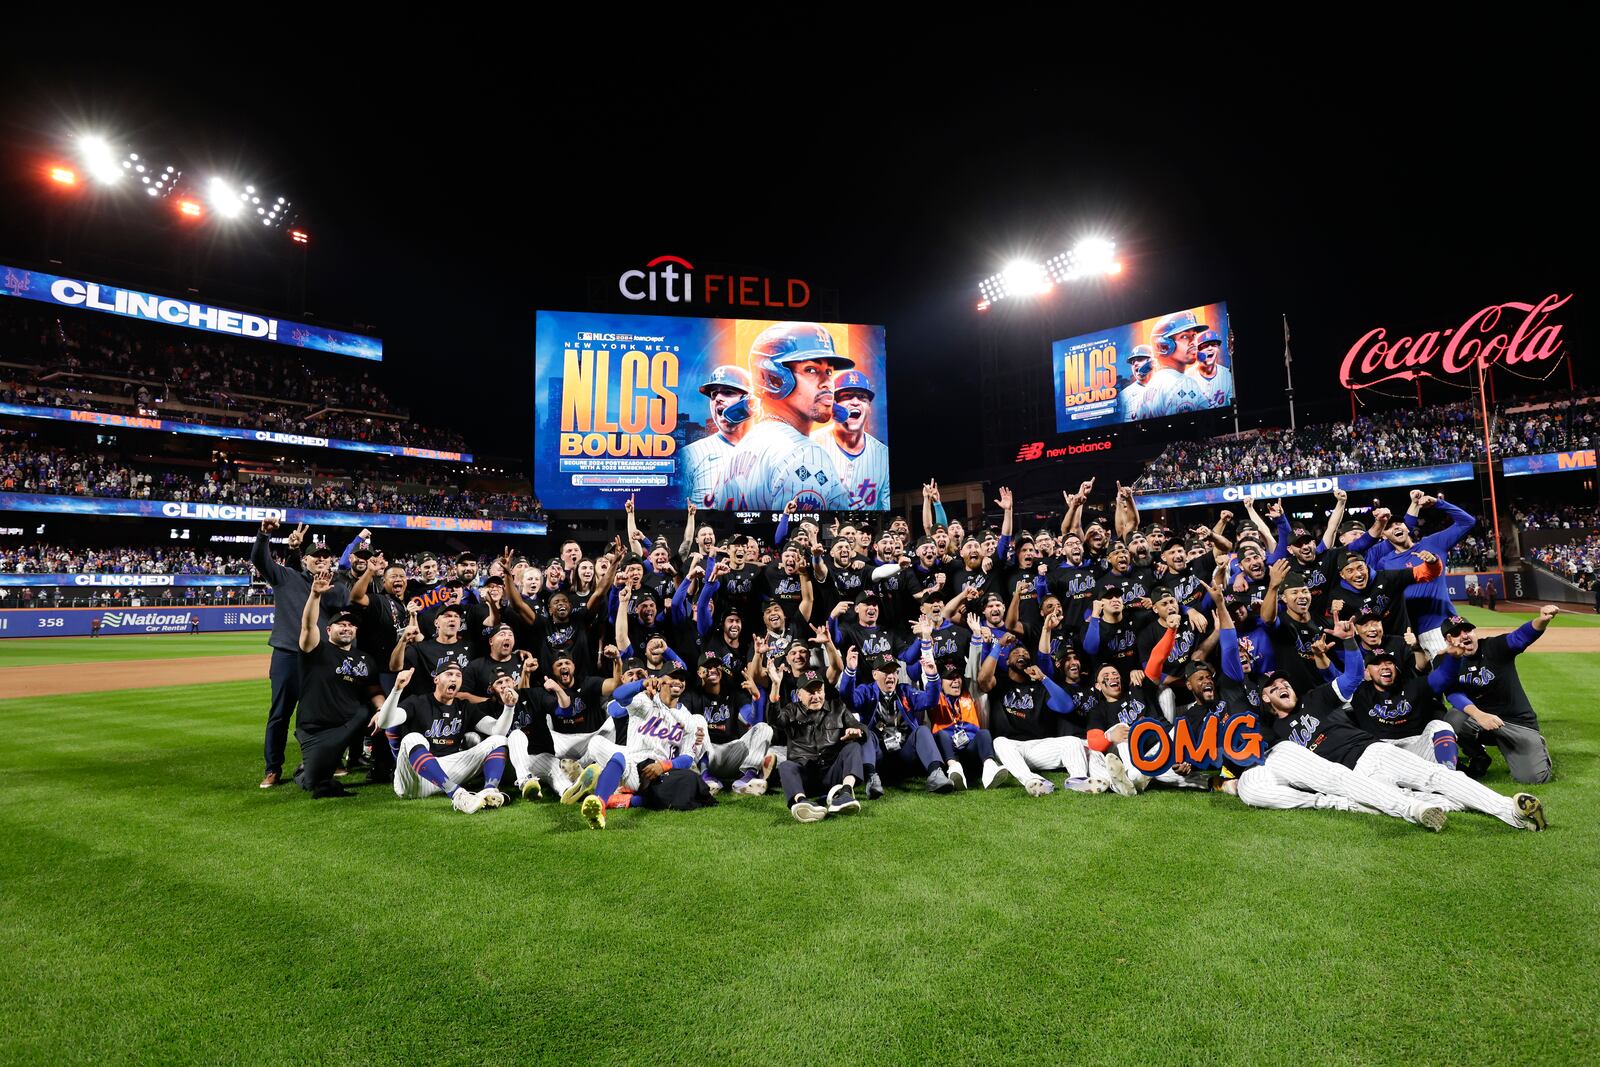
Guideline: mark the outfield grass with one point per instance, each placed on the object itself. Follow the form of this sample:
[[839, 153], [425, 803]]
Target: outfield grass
[[1485, 617], [156, 907], [41, 650]]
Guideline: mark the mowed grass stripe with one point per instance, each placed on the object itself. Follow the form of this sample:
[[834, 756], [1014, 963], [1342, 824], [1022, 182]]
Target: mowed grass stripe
[[150, 887], [33, 651]]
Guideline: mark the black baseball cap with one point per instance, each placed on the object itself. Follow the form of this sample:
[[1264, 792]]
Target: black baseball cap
[[633, 663], [467, 557], [883, 661], [866, 596], [951, 669], [362, 553], [562, 655], [1454, 625], [448, 609], [676, 671], [1294, 580], [494, 579], [345, 616], [1302, 537], [1351, 526], [710, 659], [447, 666], [644, 594], [1270, 677], [1198, 666], [810, 680], [504, 627], [1368, 613], [319, 551], [1378, 655]]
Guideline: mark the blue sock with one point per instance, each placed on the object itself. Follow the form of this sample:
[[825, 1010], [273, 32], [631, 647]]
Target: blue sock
[[1444, 748], [611, 777], [426, 766], [493, 767], [394, 744]]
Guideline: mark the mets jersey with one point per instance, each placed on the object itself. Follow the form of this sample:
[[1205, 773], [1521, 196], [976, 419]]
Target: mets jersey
[[776, 463], [1218, 388], [655, 731], [865, 474], [1170, 392], [703, 464]]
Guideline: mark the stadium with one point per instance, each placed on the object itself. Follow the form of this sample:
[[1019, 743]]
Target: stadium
[[1069, 605]]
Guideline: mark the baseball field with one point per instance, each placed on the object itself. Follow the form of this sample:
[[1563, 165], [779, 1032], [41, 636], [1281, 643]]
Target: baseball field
[[159, 908]]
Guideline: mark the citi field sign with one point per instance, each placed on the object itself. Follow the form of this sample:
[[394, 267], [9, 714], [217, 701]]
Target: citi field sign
[[671, 280], [1513, 332]]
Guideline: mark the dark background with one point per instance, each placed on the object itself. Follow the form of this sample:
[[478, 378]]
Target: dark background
[[449, 199]]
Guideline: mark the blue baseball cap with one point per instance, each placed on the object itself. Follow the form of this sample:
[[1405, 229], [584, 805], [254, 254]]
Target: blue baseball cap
[[853, 381]]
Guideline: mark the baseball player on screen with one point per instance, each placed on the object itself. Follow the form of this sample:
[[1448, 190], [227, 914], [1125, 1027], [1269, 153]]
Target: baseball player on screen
[[1207, 369], [862, 459], [728, 388], [1140, 366], [793, 364], [1171, 391]]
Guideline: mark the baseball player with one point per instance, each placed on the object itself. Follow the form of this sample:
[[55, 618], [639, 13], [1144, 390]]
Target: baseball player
[[337, 682], [1170, 390], [1402, 709], [1207, 369], [1427, 601], [580, 728], [664, 748], [1487, 702], [777, 461], [1140, 366], [432, 757], [732, 721], [862, 459], [1023, 705], [728, 389], [1322, 725]]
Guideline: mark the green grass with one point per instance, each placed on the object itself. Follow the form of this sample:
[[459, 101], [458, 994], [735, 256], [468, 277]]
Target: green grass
[[40, 650], [156, 907], [1484, 617]]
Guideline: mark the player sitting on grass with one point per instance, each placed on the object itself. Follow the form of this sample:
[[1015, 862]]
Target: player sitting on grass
[[957, 725], [824, 750], [661, 763], [431, 757], [897, 736], [1488, 705]]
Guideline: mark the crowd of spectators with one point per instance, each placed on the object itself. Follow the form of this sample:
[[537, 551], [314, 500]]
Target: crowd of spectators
[[1561, 426], [1415, 437], [1576, 561], [60, 559], [207, 372], [1537, 515], [189, 596], [27, 468]]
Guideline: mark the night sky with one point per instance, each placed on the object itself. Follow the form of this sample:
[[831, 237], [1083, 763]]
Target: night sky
[[447, 201]]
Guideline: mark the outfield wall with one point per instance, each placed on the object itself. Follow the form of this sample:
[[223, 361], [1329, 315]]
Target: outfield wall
[[75, 622]]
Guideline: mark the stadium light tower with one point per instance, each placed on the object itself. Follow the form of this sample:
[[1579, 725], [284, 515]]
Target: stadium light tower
[[1093, 257]]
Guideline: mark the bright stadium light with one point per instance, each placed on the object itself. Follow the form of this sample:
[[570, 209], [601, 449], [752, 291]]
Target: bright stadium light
[[1091, 257], [63, 175], [223, 202], [99, 160]]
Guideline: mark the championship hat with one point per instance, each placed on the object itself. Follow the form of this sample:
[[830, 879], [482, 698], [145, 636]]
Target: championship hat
[[853, 381], [1455, 625], [810, 680]]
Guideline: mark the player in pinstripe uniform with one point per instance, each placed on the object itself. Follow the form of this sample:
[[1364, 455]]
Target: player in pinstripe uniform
[[729, 391], [862, 459]]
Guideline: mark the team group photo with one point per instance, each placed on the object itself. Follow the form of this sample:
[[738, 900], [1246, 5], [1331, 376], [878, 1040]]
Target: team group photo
[[736, 595]]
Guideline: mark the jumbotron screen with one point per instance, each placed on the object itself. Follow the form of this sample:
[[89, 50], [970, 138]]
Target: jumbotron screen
[[1171, 364], [727, 414]]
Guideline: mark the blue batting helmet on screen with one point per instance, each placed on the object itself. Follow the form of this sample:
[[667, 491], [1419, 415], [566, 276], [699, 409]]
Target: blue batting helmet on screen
[[1209, 337], [791, 342], [1171, 326], [1142, 353], [851, 381], [727, 376]]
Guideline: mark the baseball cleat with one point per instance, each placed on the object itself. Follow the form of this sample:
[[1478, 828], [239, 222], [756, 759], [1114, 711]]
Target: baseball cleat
[[493, 798], [1040, 787], [938, 781], [741, 784], [842, 799], [957, 773], [531, 789], [1087, 785], [1117, 771], [1531, 808], [582, 786], [594, 812], [805, 811], [993, 774], [874, 787], [571, 768], [1432, 818], [712, 783], [466, 801]]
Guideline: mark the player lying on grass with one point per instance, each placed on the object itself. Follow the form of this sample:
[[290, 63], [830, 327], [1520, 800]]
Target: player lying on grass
[[666, 748], [432, 757]]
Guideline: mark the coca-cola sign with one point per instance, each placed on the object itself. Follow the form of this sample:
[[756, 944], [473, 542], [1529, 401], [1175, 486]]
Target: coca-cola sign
[[1513, 332]]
